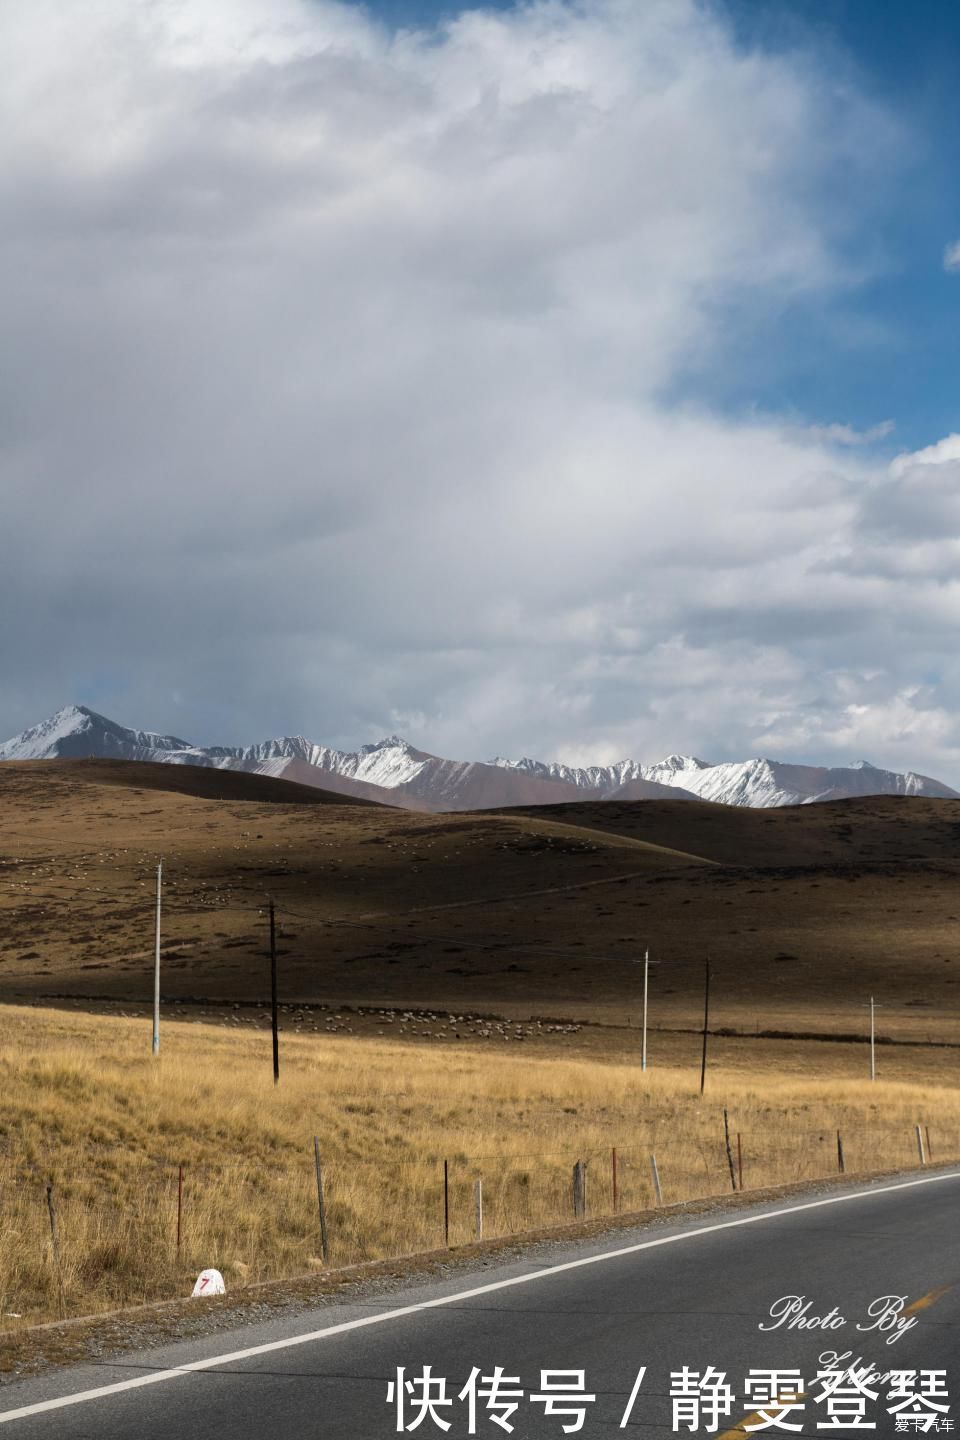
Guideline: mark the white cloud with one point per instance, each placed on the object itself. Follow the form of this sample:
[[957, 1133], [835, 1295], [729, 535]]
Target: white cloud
[[900, 726], [838, 434], [939, 453], [951, 256], [335, 375]]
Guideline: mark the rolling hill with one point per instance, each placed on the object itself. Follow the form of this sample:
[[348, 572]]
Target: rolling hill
[[803, 911]]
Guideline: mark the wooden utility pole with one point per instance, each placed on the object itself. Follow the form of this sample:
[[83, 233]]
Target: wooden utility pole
[[874, 1007], [646, 986], [274, 1015], [156, 968], [646, 962], [873, 1039], [706, 1024]]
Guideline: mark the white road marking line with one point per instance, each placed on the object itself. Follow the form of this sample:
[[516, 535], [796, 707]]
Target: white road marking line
[[212, 1361]]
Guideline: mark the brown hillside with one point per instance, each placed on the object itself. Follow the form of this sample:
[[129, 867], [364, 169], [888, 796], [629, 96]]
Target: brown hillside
[[804, 912], [201, 781], [877, 829]]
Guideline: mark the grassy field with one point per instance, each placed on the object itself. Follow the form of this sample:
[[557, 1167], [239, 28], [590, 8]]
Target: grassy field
[[84, 1106], [458, 988]]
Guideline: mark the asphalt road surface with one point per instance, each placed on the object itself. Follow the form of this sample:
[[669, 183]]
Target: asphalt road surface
[[692, 1293]]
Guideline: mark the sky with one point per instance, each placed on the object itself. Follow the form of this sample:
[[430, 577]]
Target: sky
[[573, 378]]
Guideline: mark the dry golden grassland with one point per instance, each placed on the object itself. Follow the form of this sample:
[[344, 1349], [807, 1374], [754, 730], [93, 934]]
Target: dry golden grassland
[[84, 1105]]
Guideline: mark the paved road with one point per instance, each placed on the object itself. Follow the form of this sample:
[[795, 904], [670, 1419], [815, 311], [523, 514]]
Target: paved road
[[691, 1293]]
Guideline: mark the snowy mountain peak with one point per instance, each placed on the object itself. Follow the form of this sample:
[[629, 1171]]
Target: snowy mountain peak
[[69, 713], [36, 742], [681, 762], [400, 773], [76, 731], [67, 721], [391, 742]]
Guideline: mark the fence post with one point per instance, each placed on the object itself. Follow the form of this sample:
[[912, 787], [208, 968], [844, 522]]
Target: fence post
[[325, 1248], [920, 1150], [55, 1240], [926, 1130], [840, 1165], [579, 1191], [478, 1207], [616, 1185], [179, 1208], [739, 1161], [726, 1141], [656, 1179], [446, 1203]]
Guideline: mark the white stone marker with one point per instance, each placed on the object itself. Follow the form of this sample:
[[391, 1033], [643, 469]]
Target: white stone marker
[[209, 1282]]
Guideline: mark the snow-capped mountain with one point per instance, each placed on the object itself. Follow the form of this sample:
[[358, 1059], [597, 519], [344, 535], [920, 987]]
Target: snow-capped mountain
[[758, 784], [389, 762], [763, 783], [396, 773], [592, 777], [607, 779], [79, 733], [76, 732]]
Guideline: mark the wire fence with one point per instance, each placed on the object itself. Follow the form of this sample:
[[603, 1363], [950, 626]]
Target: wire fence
[[85, 1242]]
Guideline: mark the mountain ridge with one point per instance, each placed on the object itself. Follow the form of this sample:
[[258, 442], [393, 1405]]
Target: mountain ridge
[[397, 773]]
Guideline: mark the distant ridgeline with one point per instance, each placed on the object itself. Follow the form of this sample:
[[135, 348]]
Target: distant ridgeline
[[396, 773]]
